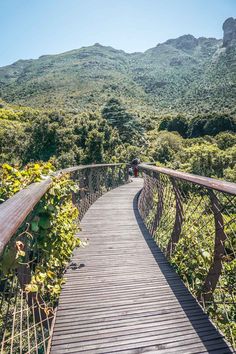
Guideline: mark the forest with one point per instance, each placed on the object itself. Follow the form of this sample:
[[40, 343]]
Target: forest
[[201, 144]]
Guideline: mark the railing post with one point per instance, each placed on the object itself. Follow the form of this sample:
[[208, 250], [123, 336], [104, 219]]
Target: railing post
[[98, 181], [90, 181], [74, 178], [159, 210], [113, 176], [126, 173], [145, 202], [175, 235], [82, 185], [120, 175], [219, 251]]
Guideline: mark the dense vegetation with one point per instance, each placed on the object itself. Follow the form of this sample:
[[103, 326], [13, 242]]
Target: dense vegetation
[[51, 228], [204, 145]]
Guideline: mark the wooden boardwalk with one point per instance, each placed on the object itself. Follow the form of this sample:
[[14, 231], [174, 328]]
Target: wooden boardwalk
[[121, 295]]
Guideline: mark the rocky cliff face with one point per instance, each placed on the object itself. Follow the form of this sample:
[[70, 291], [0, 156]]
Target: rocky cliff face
[[229, 28], [186, 42]]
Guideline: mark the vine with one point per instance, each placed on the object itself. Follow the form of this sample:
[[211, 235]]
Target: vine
[[46, 240]]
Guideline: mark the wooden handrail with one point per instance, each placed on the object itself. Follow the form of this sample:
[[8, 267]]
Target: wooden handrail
[[82, 167], [15, 210], [211, 183]]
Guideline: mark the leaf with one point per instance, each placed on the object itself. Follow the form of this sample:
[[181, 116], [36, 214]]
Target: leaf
[[56, 289], [51, 207], [31, 288], [7, 167], [36, 166], [20, 254], [44, 222], [50, 274], [34, 226], [40, 277], [206, 255], [8, 260], [20, 245]]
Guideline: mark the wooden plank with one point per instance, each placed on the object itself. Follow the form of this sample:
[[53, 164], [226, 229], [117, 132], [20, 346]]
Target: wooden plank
[[122, 323], [121, 295]]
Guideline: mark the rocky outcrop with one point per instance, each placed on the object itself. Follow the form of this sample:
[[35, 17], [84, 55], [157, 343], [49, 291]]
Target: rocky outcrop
[[186, 42], [229, 28]]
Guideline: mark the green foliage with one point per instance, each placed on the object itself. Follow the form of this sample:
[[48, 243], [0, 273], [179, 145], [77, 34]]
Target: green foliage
[[72, 139], [67, 139], [52, 135], [51, 231], [177, 124], [164, 146], [12, 179], [208, 156], [225, 140], [219, 124], [204, 159], [128, 126], [54, 227], [199, 125]]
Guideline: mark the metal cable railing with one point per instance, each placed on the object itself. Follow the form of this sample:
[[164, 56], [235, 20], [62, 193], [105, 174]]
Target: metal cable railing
[[26, 316], [193, 220]]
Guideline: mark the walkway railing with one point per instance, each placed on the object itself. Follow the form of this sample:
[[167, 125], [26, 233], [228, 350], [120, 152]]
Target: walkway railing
[[193, 220], [26, 317]]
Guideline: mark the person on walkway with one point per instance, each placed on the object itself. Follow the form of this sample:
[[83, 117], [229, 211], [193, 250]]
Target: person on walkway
[[134, 165]]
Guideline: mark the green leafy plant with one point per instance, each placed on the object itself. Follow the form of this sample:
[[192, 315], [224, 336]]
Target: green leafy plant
[[47, 239]]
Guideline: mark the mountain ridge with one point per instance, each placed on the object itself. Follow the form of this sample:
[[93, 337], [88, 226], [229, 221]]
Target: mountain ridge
[[180, 74], [96, 44]]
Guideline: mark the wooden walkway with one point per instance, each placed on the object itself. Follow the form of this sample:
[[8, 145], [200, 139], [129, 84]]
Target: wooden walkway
[[121, 295]]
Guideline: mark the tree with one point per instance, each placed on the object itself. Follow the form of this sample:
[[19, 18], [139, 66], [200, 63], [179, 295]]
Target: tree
[[196, 127], [225, 140], [219, 124], [204, 159], [128, 126], [164, 146], [164, 123], [52, 135], [178, 124], [95, 146], [13, 142]]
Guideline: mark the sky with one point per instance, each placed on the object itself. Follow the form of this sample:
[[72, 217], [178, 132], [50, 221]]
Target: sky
[[30, 28]]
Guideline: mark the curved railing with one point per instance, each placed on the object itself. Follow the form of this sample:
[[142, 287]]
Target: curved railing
[[26, 317], [193, 220]]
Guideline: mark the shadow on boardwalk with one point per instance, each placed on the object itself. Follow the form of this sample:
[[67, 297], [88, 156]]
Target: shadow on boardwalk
[[210, 337]]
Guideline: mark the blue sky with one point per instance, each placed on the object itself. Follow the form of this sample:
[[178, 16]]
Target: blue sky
[[30, 28]]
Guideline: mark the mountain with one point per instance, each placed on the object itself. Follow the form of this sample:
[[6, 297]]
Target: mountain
[[185, 74]]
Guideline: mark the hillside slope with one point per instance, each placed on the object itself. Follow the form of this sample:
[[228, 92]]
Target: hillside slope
[[183, 74]]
